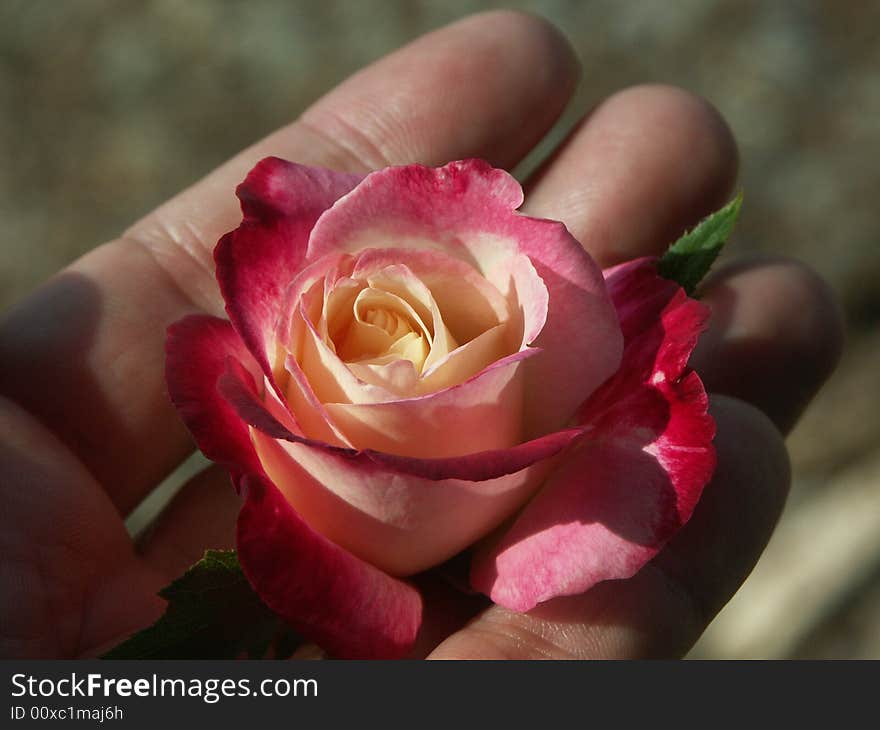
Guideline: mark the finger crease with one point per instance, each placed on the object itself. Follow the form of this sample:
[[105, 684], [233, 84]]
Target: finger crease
[[349, 146]]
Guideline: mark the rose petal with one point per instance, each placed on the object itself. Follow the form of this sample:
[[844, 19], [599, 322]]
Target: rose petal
[[311, 416], [453, 419], [198, 349], [398, 513], [480, 414], [469, 303], [389, 372], [271, 418], [256, 262], [331, 379], [466, 209], [452, 284], [637, 475], [400, 523], [418, 207], [581, 340], [348, 607], [366, 339], [472, 357], [304, 292], [472, 309]]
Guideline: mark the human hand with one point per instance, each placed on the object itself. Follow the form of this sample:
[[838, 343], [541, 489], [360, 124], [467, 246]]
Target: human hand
[[86, 430]]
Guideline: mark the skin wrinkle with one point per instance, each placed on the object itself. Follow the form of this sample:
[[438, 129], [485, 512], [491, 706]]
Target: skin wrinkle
[[170, 270], [343, 155], [55, 609], [176, 258]]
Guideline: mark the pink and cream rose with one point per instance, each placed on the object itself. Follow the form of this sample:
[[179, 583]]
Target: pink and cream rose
[[409, 364]]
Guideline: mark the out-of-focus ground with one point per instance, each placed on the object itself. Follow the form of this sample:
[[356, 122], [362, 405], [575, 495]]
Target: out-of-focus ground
[[107, 107]]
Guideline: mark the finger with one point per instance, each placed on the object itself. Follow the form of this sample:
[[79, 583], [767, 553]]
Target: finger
[[85, 353], [775, 336], [663, 609], [644, 165], [66, 557], [489, 86]]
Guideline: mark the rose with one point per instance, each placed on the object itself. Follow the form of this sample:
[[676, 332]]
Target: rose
[[410, 363]]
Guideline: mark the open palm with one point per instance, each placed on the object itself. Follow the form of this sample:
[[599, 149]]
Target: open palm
[[86, 430]]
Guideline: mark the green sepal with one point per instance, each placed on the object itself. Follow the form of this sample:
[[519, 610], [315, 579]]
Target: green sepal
[[689, 259]]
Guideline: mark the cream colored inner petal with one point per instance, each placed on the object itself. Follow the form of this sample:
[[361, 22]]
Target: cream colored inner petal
[[389, 315], [399, 376], [338, 303], [313, 420], [329, 377], [389, 373], [515, 277], [470, 305], [374, 331], [468, 360], [399, 280], [446, 424], [380, 324]]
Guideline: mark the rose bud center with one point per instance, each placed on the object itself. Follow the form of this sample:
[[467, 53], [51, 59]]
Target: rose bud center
[[382, 327]]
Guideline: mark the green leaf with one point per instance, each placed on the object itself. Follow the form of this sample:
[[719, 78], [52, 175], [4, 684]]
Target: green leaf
[[689, 259], [212, 613]]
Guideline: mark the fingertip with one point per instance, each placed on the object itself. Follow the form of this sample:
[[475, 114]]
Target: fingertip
[[776, 335], [539, 36], [647, 163], [696, 118], [693, 140]]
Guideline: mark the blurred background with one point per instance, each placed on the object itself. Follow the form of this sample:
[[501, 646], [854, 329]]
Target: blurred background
[[107, 107]]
